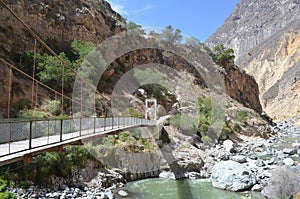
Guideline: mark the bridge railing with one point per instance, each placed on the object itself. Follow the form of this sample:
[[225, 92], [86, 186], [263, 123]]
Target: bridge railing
[[18, 136]]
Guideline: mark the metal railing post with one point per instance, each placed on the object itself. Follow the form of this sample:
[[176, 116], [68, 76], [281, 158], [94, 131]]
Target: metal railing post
[[80, 125], [118, 122], [94, 125], [104, 123], [48, 132], [61, 130], [9, 138], [30, 134], [112, 122]]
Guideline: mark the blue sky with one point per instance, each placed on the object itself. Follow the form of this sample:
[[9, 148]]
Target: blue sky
[[197, 18]]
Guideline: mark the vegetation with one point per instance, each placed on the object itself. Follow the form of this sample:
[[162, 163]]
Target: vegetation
[[186, 123], [4, 194], [132, 26], [49, 68], [127, 141], [242, 116], [32, 114], [60, 164], [54, 107], [171, 36], [223, 56], [153, 83], [203, 122], [131, 112]]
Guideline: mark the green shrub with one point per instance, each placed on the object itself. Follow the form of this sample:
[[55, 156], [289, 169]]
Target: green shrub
[[24, 184], [131, 112], [54, 107], [242, 116], [206, 139], [126, 141], [62, 116], [186, 123], [3, 193], [3, 184], [34, 114], [7, 195]]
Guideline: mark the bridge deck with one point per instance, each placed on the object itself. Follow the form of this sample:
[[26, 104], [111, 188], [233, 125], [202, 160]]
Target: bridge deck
[[12, 151]]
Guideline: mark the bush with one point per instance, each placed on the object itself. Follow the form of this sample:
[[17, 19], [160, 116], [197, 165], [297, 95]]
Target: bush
[[242, 116], [3, 193], [186, 123], [284, 183], [131, 112], [53, 106], [126, 141], [34, 114], [206, 139], [7, 195]]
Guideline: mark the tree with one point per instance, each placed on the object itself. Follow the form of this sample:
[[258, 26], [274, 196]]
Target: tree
[[131, 26], [171, 36], [49, 68], [223, 56]]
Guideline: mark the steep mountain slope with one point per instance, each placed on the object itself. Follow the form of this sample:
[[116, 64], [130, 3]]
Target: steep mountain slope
[[58, 23], [265, 37]]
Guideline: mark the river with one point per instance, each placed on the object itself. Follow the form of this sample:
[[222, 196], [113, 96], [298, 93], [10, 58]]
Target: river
[[158, 188]]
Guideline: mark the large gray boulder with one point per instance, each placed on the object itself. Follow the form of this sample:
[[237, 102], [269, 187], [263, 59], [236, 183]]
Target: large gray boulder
[[232, 176]]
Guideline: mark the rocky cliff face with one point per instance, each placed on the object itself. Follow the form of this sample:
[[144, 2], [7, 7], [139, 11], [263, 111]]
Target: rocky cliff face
[[58, 23], [265, 37], [242, 87]]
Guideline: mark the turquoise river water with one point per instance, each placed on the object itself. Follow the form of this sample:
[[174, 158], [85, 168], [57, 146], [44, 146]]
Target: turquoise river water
[[158, 188]]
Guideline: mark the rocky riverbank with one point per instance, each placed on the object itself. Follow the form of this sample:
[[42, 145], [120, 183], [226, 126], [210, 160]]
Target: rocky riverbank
[[252, 162]]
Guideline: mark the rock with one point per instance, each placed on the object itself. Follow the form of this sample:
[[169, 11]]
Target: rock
[[296, 145], [260, 163], [280, 154], [289, 161], [233, 176], [290, 151], [253, 157], [257, 188], [228, 145], [193, 175], [122, 193], [167, 174], [274, 160], [239, 158]]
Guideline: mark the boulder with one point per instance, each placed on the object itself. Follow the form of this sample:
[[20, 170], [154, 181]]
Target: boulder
[[228, 145], [167, 175], [232, 176], [122, 193], [290, 151], [289, 161], [239, 158]]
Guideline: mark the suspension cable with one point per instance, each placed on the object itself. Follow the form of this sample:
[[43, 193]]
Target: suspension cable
[[47, 47], [37, 81]]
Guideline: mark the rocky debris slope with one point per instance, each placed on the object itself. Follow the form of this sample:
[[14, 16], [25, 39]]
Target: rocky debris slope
[[265, 38]]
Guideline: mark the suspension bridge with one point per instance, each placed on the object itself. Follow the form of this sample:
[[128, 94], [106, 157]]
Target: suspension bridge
[[22, 139]]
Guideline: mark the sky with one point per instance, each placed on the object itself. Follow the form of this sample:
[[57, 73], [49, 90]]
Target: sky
[[195, 18]]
